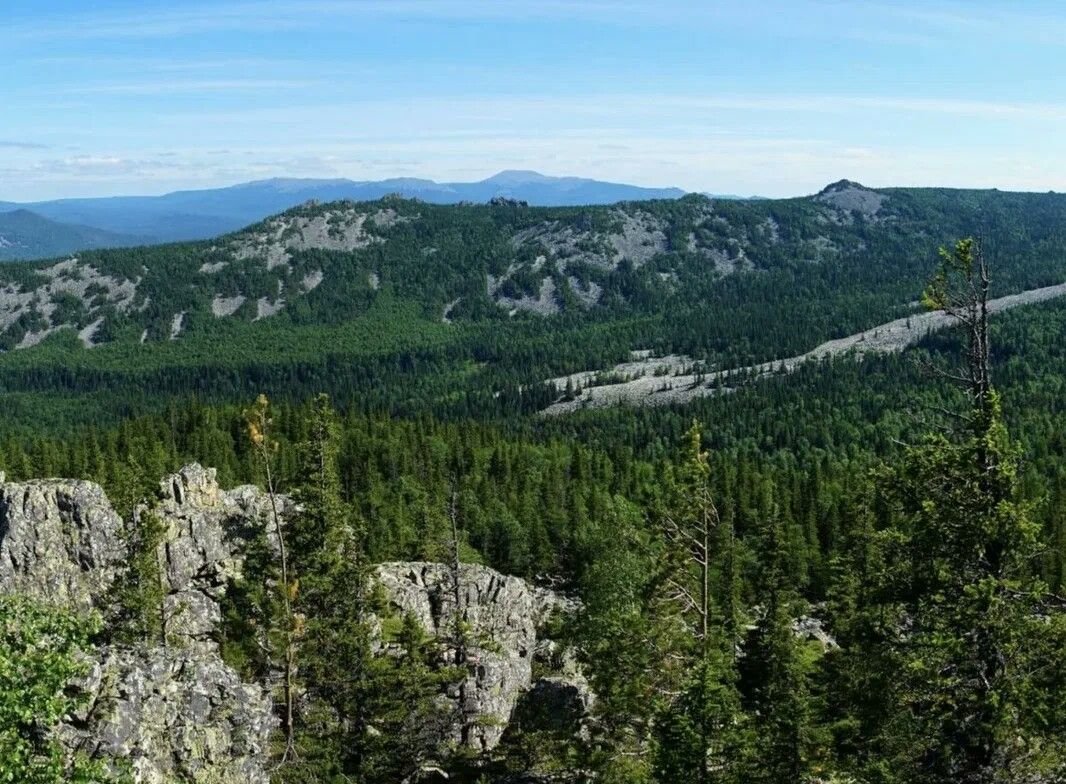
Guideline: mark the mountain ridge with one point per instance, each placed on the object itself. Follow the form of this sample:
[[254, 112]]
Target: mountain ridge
[[25, 235], [201, 214]]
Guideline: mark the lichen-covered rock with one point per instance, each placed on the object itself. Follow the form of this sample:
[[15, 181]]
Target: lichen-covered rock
[[177, 712], [502, 616], [811, 629], [177, 715], [60, 541], [207, 530], [196, 555]]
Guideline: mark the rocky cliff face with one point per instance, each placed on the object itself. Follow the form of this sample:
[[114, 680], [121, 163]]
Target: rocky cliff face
[[59, 541], [178, 712], [175, 712]]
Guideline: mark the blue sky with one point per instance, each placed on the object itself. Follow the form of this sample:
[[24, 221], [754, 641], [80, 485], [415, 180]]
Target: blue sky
[[774, 98]]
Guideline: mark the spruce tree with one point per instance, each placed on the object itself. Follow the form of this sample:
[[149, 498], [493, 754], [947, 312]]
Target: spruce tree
[[974, 630], [774, 672]]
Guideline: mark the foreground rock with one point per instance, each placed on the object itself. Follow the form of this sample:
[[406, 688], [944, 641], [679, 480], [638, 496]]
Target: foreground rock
[[176, 713], [504, 619], [60, 541]]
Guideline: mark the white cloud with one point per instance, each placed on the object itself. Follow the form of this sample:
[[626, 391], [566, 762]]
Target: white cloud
[[747, 144], [187, 86], [724, 162], [7, 144]]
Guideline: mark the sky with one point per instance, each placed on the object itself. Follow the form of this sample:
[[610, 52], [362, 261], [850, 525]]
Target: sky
[[767, 97]]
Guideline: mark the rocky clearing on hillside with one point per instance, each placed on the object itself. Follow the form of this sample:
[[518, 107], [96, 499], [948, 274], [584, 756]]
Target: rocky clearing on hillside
[[657, 381]]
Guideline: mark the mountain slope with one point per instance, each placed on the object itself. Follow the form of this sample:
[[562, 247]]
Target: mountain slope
[[26, 235], [187, 215], [411, 306]]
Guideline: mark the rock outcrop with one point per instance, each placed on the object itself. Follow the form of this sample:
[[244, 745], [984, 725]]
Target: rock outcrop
[[60, 541], [177, 712], [207, 529], [174, 713], [503, 618]]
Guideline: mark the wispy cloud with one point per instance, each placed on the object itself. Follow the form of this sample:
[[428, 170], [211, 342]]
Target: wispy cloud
[[850, 103], [279, 15], [803, 17], [188, 86], [16, 145], [473, 114]]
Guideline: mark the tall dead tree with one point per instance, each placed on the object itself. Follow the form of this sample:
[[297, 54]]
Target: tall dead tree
[[690, 532], [960, 288], [259, 424]]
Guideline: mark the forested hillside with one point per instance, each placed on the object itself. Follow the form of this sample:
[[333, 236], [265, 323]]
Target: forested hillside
[[26, 235], [460, 310], [850, 573]]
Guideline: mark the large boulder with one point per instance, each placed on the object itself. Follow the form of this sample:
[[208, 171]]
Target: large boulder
[[503, 618], [176, 715]]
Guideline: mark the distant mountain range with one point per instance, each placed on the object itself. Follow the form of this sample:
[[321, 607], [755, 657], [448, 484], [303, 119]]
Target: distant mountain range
[[190, 215], [27, 235]]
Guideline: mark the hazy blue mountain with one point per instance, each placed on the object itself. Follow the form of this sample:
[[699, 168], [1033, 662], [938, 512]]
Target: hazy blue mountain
[[26, 235], [186, 215]]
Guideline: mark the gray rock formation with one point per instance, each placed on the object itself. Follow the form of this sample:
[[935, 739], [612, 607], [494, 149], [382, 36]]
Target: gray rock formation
[[207, 529], [503, 617], [175, 713], [60, 541], [179, 713], [811, 629]]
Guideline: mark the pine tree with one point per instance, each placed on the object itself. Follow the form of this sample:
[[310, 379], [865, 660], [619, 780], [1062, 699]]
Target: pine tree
[[364, 716], [260, 424], [773, 671], [143, 589]]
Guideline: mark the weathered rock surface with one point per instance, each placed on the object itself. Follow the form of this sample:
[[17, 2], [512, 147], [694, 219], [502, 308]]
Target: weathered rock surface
[[812, 629], [176, 713], [852, 197], [179, 713], [203, 544], [60, 541], [503, 617]]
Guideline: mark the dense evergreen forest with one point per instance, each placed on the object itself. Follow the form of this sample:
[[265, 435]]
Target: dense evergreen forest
[[921, 521], [463, 311]]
